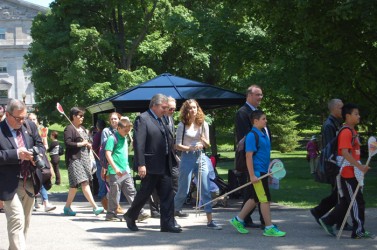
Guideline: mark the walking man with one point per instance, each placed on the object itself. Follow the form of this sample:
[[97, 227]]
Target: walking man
[[254, 97], [153, 146], [329, 131], [16, 169]]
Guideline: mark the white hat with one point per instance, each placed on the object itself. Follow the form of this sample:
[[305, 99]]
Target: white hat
[[313, 138]]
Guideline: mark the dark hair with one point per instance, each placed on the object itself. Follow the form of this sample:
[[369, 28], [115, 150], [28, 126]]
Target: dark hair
[[256, 114], [347, 109], [54, 134], [101, 124], [76, 111]]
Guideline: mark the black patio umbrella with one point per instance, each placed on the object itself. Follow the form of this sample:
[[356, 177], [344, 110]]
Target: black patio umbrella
[[137, 99]]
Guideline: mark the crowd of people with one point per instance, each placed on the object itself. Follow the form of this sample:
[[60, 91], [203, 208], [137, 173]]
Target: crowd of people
[[165, 158]]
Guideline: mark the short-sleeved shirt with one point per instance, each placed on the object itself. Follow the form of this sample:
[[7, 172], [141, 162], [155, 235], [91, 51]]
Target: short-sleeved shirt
[[345, 141], [119, 153], [261, 159]]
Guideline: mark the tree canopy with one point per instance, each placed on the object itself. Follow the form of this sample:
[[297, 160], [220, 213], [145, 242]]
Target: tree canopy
[[302, 53]]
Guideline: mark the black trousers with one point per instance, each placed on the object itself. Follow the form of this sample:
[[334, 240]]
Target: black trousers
[[328, 202], [163, 186], [154, 201], [357, 210]]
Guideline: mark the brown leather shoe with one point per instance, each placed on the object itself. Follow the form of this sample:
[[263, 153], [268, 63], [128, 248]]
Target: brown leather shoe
[[104, 202], [119, 210]]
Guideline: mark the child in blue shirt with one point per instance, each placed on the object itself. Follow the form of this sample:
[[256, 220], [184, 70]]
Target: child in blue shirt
[[257, 160]]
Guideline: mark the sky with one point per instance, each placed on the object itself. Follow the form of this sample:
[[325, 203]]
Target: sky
[[43, 3]]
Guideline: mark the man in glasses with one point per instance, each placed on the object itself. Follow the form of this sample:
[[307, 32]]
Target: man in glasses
[[153, 159], [168, 119], [16, 171]]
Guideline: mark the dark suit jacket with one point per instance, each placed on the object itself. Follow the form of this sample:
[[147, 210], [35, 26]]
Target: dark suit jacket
[[243, 123], [9, 164], [150, 146]]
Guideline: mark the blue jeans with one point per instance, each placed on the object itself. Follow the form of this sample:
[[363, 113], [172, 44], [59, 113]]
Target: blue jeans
[[43, 193], [102, 191], [189, 165]]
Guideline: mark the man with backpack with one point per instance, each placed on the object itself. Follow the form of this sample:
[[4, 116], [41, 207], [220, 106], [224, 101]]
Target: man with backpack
[[329, 131], [348, 160]]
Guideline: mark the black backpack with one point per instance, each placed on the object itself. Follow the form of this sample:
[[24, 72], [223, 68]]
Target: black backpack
[[326, 168], [241, 154], [61, 149]]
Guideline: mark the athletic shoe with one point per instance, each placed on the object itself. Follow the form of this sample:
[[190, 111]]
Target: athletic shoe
[[68, 211], [49, 208], [142, 216], [214, 226], [238, 225], [111, 217], [273, 232], [365, 235], [98, 210], [329, 229]]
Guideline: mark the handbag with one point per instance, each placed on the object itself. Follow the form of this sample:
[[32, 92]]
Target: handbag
[[40, 176]]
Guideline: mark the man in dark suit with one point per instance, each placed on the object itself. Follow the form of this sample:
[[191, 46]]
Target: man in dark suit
[[168, 119], [153, 146], [17, 170], [254, 97]]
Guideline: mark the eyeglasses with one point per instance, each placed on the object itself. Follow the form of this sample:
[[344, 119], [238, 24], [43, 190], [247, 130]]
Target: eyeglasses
[[18, 119], [172, 109], [80, 116]]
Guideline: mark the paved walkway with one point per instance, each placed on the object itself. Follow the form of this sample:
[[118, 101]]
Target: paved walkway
[[86, 231]]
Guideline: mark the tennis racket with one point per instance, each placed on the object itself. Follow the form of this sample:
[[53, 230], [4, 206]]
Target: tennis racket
[[372, 150], [276, 170]]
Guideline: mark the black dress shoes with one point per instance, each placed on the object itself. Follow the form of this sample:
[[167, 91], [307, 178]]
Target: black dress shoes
[[171, 229], [130, 223], [251, 224], [155, 215], [180, 214]]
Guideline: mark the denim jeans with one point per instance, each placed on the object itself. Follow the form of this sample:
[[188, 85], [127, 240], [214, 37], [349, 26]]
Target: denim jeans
[[43, 193], [189, 165], [102, 191]]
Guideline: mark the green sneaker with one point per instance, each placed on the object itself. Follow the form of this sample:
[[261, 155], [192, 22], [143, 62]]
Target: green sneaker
[[273, 232], [238, 225], [365, 235], [328, 228]]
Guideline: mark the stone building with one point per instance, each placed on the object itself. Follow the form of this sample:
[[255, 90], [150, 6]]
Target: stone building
[[16, 18]]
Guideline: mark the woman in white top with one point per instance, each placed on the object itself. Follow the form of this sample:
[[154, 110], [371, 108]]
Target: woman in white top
[[192, 137]]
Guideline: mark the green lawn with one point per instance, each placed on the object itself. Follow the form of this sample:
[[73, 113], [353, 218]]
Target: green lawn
[[297, 189]]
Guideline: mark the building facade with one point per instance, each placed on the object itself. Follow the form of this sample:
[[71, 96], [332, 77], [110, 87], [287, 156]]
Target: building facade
[[16, 17]]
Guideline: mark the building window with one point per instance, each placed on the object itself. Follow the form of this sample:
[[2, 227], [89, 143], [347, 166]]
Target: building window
[[3, 69], [2, 34], [3, 93]]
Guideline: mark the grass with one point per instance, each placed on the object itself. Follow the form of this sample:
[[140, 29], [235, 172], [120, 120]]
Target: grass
[[297, 189]]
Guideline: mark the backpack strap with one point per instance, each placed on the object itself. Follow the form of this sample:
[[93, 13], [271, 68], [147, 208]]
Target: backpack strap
[[256, 140]]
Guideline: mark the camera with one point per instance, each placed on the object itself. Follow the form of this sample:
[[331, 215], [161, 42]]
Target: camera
[[39, 162]]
